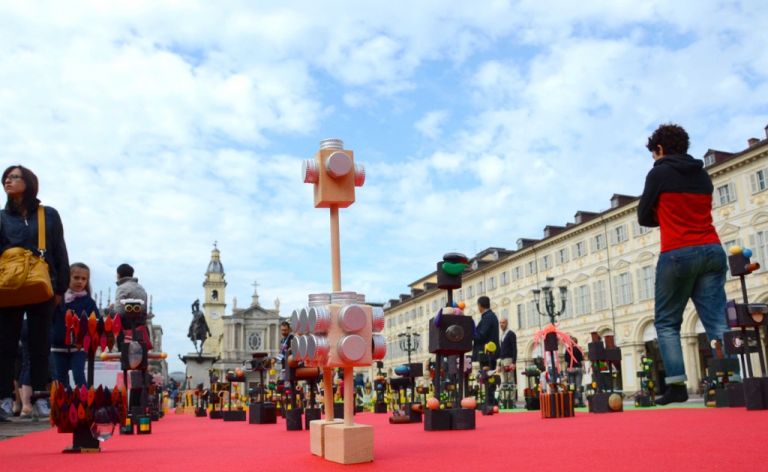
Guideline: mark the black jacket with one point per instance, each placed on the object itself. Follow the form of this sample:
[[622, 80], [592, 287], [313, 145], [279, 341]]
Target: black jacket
[[508, 348], [486, 331], [678, 197], [18, 231]]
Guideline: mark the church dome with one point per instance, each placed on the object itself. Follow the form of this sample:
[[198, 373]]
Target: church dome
[[215, 266]]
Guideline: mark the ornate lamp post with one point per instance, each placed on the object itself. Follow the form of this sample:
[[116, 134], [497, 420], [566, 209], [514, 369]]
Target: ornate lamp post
[[550, 310], [409, 342]]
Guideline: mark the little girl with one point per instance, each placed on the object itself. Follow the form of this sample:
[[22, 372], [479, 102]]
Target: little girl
[[78, 299]]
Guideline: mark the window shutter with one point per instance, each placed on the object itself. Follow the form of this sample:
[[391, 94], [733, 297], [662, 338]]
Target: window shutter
[[753, 182]]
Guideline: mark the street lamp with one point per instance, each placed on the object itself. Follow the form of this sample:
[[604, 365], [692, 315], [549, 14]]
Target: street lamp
[[550, 342], [409, 342], [549, 300]]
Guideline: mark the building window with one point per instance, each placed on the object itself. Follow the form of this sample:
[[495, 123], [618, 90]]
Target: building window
[[568, 312], [562, 256], [709, 160], [520, 316], [517, 273], [598, 242], [622, 286], [760, 248], [759, 180], [639, 230], [531, 267], [619, 234], [460, 294], [533, 315], [645, 277], [480, 287], [581, 300], [492, 283], [470, 291], [598, 289], [725, 194], [505, 278], [579, 250], [546, 262]]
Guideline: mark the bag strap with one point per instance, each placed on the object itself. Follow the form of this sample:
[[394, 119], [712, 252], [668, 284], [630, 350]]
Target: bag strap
[[41, 230]]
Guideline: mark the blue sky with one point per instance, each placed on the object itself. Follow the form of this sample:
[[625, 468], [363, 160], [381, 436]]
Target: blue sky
[[158, 127]]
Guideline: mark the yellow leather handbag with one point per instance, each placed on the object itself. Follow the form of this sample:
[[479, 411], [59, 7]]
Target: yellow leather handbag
[[24, 276]]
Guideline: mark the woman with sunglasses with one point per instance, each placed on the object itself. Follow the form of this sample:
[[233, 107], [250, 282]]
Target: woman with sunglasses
[[18, 228]]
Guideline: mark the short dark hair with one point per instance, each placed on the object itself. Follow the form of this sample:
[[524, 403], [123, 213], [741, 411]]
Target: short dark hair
[[29, 200], [286, 324], [125, 270], [484, 302], [673, 138]]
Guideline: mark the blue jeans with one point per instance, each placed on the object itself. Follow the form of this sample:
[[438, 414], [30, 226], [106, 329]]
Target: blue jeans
[[63, 362], [697, 273]]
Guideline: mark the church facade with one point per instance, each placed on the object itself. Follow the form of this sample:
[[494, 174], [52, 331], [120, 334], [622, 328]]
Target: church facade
[[237, 334]]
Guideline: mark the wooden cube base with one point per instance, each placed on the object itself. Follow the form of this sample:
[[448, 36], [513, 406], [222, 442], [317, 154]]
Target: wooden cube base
[[317, 435], [756, 393], [556, 405], [348, 444], [262, 413], [234, 415], [293, 420], [310, 415], [601, 403]]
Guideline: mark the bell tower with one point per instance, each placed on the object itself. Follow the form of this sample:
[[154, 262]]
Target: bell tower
[[214, 304]]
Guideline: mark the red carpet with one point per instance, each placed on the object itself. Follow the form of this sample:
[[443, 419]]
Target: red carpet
[[663, 439]]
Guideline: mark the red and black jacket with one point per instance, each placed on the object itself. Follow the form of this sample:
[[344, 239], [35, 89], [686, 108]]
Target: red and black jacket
[[678, 198]]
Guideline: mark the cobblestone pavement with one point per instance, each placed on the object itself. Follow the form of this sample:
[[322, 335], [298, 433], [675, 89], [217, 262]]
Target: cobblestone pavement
[[19, 427]]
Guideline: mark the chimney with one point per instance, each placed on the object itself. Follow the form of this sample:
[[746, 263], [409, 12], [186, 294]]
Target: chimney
[[752, 142], [618, 200], [766, 131]]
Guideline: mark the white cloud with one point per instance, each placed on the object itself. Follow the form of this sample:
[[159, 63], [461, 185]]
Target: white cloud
[[159, 127], [431, 123]]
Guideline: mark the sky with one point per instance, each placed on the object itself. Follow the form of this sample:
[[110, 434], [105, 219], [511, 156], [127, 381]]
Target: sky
[[159, 127]]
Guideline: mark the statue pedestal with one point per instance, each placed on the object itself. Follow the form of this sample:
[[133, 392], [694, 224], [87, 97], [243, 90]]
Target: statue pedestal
[[197, 368]]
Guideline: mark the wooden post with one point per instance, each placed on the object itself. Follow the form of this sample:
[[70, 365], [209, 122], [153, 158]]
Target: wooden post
[[349, 396], [335, 249]]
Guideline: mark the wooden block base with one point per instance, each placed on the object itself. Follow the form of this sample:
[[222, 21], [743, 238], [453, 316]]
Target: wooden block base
[[317, 435], [234, 415], [348, 444], [262, 413], [601, 403], [556, 405]]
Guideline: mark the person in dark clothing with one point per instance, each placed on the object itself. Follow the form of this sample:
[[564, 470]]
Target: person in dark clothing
[[285, 348], [574, 367], [65, 355], [507, 352], [19, 228], [486, 343], [692, 264]]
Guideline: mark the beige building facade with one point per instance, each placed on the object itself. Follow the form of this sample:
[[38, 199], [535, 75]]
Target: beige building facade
[[607, 263]]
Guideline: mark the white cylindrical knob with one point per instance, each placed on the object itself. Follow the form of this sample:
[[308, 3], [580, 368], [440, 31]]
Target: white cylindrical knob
[[338, 164], [378, 319], [352, 318], [331, 143], [295, 321], [359, 175], [310, 172], [318, 319], [351, 348], [379, 347]]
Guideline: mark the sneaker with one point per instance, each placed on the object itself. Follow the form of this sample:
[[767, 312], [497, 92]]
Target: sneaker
[[6, 409], [42, 408], [674, 394]]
